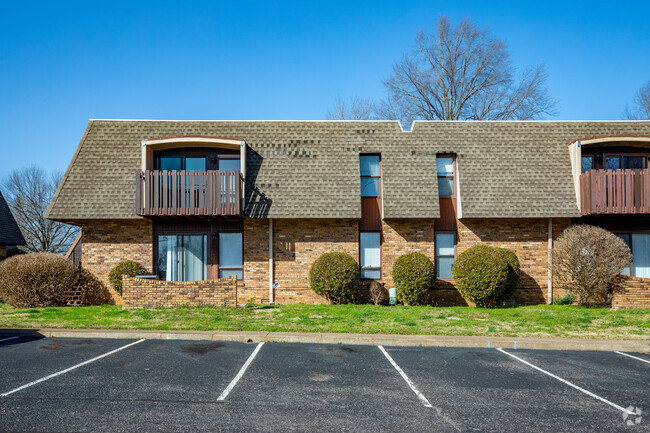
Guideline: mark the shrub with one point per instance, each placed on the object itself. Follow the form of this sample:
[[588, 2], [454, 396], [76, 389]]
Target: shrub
[[128, 267], [585, 261], [335, 276], [93, 291], [486, 275], [414, 275], [564, 300], [377, 292], [36, 280]]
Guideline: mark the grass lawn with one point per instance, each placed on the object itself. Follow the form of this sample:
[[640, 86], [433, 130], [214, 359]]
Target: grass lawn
[[532, 321]]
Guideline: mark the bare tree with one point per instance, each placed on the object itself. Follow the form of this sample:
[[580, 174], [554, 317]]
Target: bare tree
[[28, 192], [354, 108], [462, 73], [641, 107]]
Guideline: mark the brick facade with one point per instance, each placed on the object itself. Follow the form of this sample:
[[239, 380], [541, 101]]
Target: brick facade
[[528, 238], [631, 292], [105, 243], [138, 292], [299, 242]]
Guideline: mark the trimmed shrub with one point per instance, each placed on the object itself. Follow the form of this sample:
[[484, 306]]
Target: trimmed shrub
[[127, 267], [37, 280], [486, 275], [585, 261], [414, 275], [93, 291], [335, 276]]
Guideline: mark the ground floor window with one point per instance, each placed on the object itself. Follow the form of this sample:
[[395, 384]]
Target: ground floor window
[[231, 255], [639, 244], [370, 255], [182, 257], [445, 254]]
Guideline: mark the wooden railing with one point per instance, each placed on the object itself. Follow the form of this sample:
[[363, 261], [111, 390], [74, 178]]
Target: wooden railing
[[188, 192], [615, 192]]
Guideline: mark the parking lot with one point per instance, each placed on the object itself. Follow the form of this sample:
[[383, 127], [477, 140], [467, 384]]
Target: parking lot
[[57, 384]]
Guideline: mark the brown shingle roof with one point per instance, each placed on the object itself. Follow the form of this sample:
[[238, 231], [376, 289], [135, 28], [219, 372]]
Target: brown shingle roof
[[9, 232], [310, 169]]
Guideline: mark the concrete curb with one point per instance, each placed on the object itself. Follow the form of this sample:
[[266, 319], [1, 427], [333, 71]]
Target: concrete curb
[[642, 346]]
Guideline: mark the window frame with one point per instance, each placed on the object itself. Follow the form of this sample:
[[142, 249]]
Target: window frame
[[180, 252], [381, 257], [217, 239], [453, 175], [435, 250], [379, 176]]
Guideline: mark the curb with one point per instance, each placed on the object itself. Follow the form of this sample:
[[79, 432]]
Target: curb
[[642, 346]]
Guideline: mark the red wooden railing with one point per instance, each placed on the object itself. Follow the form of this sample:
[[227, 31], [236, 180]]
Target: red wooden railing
[[615, 192], [187, 192]]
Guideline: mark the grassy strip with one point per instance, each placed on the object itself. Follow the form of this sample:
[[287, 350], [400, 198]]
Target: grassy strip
[[532, 321]]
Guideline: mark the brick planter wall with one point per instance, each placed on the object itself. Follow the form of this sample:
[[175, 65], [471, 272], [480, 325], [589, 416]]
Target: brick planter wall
[[138, 292], [630, 292]]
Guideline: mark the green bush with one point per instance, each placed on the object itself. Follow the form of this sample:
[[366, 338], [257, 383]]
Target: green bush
[[414, 275], [486, 275], [564, 300], [37, 280], [335, 276], [128, 267]]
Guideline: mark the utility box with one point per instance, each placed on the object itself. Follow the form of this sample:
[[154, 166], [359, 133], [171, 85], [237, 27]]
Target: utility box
[[392, 296]]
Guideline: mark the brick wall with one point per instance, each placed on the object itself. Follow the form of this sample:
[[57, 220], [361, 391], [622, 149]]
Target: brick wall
[[528, 238], [256, 260], [298, 243], [138, 292], [105, 243], [402, 236], [631, 292]]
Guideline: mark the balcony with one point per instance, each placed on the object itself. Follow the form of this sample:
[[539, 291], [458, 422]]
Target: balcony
[[615, 192], [201, 193]]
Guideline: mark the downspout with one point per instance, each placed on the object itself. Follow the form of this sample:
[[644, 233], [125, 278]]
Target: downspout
[[550, 258], [271, 276]]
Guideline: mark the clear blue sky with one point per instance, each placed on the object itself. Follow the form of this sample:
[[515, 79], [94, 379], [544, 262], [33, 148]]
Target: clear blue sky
[[62, 63]]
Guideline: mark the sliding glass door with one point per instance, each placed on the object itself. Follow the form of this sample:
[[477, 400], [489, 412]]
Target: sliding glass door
[[182, 257]]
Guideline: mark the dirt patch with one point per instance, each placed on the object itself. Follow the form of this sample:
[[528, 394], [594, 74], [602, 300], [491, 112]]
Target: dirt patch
[[197, 349], [56, 345]]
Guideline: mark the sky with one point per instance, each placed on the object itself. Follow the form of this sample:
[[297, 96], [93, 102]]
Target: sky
[[62, 63]]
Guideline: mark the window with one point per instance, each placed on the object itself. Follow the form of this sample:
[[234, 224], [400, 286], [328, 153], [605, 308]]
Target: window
[[370, 175], [179, 163], [445, 254], [587, 164], [370, 255], [625, 162], [445, 171], [231, 255], [182, 257], [639, 244]]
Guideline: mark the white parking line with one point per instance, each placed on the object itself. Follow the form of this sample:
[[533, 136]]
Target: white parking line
[[590, 394], [43, 379], [634, 357], [10, 338], [406, 378], [242, 370]]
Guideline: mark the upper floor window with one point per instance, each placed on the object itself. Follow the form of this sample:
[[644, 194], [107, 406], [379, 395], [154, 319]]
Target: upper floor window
[[370, 169], [586, 164], [625, 162], [197, 159], [445, 167]]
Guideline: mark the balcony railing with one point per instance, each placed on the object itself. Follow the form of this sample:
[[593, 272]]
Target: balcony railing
[[168, 193], [615, 192]]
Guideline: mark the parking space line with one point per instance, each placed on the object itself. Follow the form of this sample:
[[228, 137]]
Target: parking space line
[[43, 379], [566, 382], [634, 357], [242, 370], [10, 338], [406, 378]]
